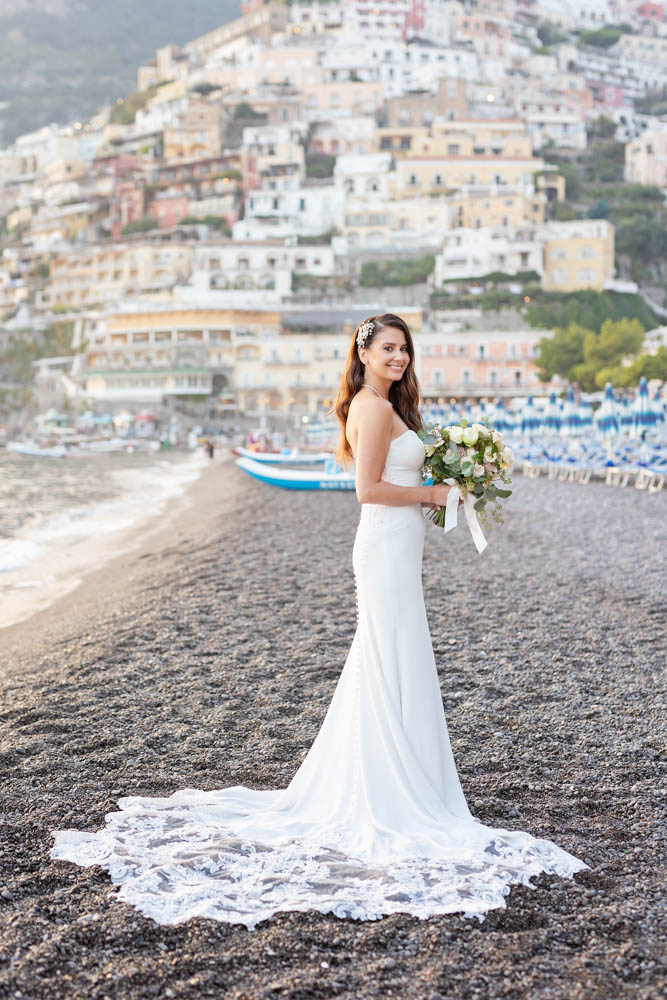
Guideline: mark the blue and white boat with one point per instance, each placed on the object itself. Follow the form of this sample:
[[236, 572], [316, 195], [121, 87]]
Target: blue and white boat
[[330, 478], [286, 457]]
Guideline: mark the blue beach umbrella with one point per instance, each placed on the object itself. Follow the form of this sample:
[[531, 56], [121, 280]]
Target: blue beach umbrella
[[571, 423], [642, 410], [607, 419], [586, 414], [553, 415], [503, 421], [626, 418], [658, 408], [530, 419]]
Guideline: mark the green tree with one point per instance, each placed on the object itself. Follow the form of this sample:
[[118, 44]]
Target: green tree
[[615, 342], [559, 354], [603, 38], [602, 128]]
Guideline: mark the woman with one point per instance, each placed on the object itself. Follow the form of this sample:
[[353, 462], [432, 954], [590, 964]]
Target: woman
[[375, 820]]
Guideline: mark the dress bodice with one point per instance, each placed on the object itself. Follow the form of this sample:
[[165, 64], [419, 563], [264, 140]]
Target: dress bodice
[[405, 459]]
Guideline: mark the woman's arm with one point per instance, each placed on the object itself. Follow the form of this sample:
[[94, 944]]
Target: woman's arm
[[375, 422]]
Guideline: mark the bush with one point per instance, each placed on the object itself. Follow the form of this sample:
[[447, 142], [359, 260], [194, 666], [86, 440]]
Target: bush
[[320, 165], [142, 226], [397, 272], [603, 38]]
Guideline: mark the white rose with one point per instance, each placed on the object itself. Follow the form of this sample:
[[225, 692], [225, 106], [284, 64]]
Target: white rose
[[496, 438], [488, 454], [507, 457], [470, 435], [470, 453], [478, 470], [429, 449], [481, 430], [456, 434]]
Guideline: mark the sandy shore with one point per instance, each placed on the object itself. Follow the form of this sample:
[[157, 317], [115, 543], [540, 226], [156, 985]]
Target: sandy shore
[[207, 657]]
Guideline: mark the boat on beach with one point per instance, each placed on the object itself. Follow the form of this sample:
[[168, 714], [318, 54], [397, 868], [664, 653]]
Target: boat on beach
[[298, 479], [287, 457], [31, 448]]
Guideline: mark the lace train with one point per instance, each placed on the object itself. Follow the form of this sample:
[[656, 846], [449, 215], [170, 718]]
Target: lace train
[[174, 861]]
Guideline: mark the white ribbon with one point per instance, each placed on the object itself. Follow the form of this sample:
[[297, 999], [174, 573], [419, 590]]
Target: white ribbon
[[451, 509]]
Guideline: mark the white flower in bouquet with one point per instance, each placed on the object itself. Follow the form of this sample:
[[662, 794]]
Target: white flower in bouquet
[[474, 458]]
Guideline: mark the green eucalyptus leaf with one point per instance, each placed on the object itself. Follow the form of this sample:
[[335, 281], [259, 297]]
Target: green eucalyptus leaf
[[480, 504], [503, 493]]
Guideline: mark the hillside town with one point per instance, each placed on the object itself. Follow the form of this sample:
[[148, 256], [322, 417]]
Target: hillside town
[[216, 235]]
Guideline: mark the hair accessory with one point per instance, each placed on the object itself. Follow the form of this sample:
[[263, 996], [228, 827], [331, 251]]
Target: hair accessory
[[364, 330]]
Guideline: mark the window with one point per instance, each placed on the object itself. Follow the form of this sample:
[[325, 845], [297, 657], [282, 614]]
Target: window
[[406, 142], [453, 149], [412, 180], [586, 275], [493, 377], [560, 276], [558, 253], [481, 352], [466, 376], [586, 252], [517, 376], [302, 204]]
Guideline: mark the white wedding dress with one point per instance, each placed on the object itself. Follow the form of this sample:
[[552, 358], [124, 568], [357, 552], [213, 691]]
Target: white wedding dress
[[374, 821]]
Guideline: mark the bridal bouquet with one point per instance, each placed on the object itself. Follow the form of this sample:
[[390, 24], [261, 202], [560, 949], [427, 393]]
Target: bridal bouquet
[[471, 458]]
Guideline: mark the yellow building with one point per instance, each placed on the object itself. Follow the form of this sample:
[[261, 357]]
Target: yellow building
[[109, 273], [147, 354], [578, 255], [297, 371], [479, 207], [191, 142]]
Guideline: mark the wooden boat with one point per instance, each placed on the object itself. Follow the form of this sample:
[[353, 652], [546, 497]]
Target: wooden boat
[[293, 457], [297, 479]]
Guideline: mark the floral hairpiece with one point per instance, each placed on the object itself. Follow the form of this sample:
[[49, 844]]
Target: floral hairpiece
[[364, 330]]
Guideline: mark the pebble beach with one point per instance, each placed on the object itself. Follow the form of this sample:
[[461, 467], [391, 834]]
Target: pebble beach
[[207, 657]]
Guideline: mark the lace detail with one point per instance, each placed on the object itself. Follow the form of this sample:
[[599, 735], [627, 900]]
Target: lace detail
[[172, 867], [373, 822]]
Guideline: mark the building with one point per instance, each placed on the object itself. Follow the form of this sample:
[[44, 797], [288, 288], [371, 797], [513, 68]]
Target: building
[[462, 363], [577, 255], [473, 253], [113, 272], [646, 158]]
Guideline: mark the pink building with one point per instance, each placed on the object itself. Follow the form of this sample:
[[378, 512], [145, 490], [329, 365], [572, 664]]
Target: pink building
[[169, 211], [482, 363]]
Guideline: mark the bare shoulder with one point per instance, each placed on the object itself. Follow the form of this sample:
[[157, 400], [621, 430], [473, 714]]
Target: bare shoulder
[[370, 410]]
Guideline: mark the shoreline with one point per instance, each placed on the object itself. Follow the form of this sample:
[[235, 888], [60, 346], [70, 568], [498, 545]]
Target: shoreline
[[137, 548]]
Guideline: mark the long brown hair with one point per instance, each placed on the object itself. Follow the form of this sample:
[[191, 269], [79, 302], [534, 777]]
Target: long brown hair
[[404, 395]]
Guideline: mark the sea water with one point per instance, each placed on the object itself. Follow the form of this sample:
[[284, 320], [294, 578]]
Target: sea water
[[62, 517]]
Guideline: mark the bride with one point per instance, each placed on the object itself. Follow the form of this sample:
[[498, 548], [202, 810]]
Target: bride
[[375, 820]]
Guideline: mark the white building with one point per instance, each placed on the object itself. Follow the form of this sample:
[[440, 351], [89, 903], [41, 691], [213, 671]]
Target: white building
[[306, 211], [472, 253]]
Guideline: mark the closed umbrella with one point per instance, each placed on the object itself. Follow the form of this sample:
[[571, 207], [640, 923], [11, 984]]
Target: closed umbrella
[[571, 424], [586, 414], [607, 419], [644, 416], [502, 421], [658, 408], [626, 418], [530, 419], [553, 415]]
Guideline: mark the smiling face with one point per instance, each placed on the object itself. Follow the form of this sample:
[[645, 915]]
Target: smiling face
[[387, 356]]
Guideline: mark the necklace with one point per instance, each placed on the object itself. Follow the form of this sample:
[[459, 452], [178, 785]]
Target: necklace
[[369, 386]]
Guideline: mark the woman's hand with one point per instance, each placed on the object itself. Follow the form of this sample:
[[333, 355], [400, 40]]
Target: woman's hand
[[438, 496]]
